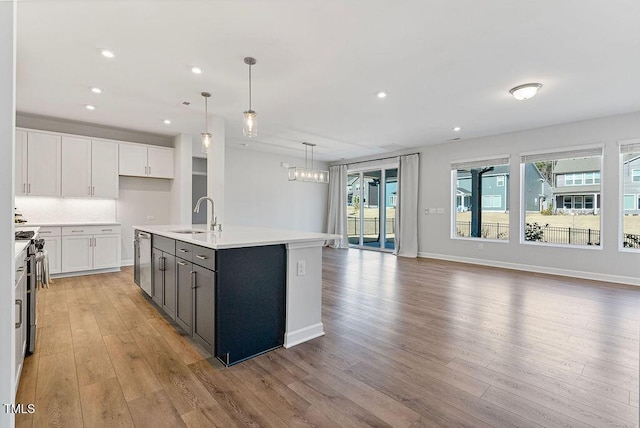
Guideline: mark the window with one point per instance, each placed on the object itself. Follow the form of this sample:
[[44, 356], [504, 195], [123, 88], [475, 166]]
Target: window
[[630, 181], [629, 202], [550, 212], [480, 217]]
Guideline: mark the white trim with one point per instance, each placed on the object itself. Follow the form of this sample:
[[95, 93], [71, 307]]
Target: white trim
[[627, 280], [309, 244], [84, 272], [556, 245], [562, 150], [124, 263], [372, 167], [480, 239], [483, 161], [302, 335]]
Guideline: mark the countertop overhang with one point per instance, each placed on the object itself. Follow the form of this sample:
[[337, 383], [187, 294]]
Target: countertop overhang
[[236, 236]]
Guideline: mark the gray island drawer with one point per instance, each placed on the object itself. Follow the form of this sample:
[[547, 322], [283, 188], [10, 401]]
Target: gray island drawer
[[184, 250], [205, 257], [164, 244]]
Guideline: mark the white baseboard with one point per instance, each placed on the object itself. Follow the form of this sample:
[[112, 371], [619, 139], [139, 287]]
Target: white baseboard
[[84, 272], [299, 336], [126, 262], [537, 269]]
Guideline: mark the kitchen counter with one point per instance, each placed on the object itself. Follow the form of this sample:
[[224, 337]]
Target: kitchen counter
[[75, 223], [235, 236], [243, 252]]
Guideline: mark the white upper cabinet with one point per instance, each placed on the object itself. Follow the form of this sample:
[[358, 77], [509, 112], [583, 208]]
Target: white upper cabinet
[[38, 164], [146, 161], [89, 168]]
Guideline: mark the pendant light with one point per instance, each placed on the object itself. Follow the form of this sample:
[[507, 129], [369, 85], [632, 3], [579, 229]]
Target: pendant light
[[250, 125], [206, 136], [312, 175]]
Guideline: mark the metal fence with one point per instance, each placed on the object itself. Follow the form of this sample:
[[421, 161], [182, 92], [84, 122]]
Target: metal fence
[[371, 225], [631, 240], [543, 233]]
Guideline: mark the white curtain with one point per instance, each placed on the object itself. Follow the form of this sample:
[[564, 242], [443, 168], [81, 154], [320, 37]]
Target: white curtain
[[406, 223], [337, 214]]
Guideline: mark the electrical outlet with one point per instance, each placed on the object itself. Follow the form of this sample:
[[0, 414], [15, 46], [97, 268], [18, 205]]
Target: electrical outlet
[[150, 217], [302, 268]]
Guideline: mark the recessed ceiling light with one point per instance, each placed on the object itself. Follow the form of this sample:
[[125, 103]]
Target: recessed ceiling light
[[526, 91], [166, 122], [96, 90], [90, 107], [381, 94], [457, 129], [196, 70], [107, 53]]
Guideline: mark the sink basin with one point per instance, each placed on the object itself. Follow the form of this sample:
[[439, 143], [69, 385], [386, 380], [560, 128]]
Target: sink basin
[[188, 231]]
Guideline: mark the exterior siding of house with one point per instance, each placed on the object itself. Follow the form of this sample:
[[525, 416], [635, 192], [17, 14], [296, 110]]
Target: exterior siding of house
[[631, 187]]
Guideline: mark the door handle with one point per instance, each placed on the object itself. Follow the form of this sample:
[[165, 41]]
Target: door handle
[[182, 263], [201, 257], [182, 250], [19, 303], [162, 266], [193, 280]]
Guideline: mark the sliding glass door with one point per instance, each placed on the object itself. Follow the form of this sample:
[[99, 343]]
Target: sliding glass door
[[371, 206]]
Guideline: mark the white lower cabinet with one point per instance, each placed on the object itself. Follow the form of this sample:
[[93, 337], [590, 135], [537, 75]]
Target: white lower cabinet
[[53, 244], [86, 248]]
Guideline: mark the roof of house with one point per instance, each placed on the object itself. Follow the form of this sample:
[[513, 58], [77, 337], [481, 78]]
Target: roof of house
[[564, 166]]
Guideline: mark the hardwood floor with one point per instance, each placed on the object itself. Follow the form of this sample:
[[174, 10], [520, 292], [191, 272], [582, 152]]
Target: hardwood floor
[[409, 343]]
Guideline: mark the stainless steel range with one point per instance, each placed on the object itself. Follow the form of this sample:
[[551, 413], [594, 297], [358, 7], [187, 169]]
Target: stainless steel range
[[32, 289]]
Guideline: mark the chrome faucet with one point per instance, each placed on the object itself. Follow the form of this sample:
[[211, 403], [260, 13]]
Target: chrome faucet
[[214, 220]]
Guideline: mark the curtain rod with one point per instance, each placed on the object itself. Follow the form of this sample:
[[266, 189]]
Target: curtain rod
[[374, 160]]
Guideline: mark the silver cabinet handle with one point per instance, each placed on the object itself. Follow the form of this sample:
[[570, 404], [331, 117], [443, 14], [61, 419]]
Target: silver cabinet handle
[[95, 242], [149, 170], [44, 231], [19, 303], [201, 257], [89, 189], [182, 250], [77, 231], [107, 230], [144, 235], [193, 280], [182, 263], [93, 190], [20, 269], [29, 188], [162, 263], [24, 188]]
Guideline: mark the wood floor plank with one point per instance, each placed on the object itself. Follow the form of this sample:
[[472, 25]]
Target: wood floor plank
[[93, 364], [134, 374], [57, 401], [178, 342], [103, 405], [108, 319], [156, 410]]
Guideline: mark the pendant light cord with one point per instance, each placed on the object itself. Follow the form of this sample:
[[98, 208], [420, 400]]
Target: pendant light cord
[[206, 115], [249, 87]]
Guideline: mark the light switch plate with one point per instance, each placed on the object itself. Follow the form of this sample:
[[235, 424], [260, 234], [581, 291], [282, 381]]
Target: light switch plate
[[302, 268]]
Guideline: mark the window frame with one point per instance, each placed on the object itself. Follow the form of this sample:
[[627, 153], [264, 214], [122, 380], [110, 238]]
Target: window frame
[[625, 147]]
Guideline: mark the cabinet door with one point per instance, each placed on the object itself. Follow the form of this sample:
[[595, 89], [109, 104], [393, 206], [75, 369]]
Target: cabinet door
[[169, 290], [104, 169], [203, 306], [77, 254], [184, 295], [76, 173], [160, 162], [43, 164], [52, 244], [157, 280], [106, 251], [132, 160], [21, 163]]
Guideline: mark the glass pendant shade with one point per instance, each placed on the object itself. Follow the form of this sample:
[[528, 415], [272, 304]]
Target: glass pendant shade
[[206, 142], [250, 126], [311, 175]]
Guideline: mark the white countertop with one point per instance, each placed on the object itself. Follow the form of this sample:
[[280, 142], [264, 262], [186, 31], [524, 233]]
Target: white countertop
[[74, 223], [21, 245], [235, 236]]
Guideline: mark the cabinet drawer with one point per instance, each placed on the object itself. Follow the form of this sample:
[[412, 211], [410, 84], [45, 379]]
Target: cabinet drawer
[[184, 250], [205, 257], [106, 230], [164, 244], [77, 230], [50, 231]]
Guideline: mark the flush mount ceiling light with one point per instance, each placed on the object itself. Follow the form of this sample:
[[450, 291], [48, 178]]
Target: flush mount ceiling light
[[206, 136], [196, 70], [107, 53], [250, 123], [526, 91], [312, 175], [96, 90]]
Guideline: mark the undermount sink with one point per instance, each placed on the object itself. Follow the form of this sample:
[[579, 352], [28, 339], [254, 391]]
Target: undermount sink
[[189, 231]]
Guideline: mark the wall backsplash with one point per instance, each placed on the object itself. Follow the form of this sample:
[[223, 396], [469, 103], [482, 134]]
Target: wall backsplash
[[66, 210]]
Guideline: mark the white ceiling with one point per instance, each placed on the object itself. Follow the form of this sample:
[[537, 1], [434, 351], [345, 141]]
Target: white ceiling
[[443, 63]]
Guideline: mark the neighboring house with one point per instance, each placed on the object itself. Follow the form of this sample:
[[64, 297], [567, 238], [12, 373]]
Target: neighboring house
[[372, 191], [577, 185], [495, 190], [631, 176]]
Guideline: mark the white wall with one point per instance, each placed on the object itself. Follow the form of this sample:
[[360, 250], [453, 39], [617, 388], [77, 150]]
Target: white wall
[[181, 184], [606, 263], [139, 199], [259, 194], [7, 152]]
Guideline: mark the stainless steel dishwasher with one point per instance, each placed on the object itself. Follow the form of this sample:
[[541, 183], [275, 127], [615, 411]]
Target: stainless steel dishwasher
[[144, 242]]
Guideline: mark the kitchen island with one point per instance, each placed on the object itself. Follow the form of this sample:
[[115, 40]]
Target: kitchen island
[[239, 292]]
